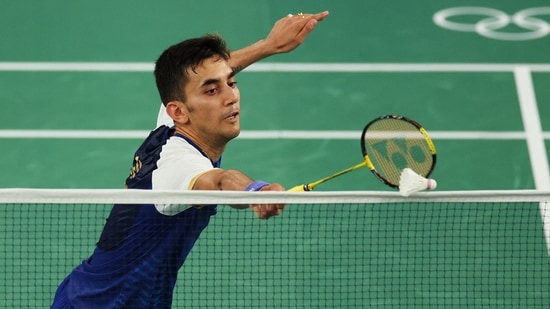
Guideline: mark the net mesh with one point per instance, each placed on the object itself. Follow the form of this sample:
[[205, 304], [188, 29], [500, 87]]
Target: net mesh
[[327, 250]]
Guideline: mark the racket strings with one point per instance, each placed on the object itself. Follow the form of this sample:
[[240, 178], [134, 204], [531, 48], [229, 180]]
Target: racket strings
[[394, 144]]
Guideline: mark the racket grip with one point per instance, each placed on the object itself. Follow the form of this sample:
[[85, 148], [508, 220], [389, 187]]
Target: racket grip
[[300, 188]]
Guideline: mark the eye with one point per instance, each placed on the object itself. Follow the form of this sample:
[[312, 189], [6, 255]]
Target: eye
[[232, 84], [212, 91]]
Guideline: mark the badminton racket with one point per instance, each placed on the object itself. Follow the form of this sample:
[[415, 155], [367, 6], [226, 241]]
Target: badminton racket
[[391, 144]]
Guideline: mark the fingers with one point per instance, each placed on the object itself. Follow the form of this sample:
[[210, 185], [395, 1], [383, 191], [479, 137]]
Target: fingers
[[307, 22], [290, 31], [306, 30], [318, 16], [266, 211]]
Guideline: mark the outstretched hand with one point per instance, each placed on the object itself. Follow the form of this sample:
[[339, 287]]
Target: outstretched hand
[[287, 34], [290, 31], [266, 211]]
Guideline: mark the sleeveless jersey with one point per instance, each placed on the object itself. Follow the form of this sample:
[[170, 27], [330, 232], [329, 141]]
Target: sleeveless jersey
[[140, 250]]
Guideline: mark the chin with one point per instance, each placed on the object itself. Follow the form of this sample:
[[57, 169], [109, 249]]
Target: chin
[[236, 133], [232, 134]]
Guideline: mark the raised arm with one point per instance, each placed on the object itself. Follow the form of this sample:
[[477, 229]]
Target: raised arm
[[287, 34]]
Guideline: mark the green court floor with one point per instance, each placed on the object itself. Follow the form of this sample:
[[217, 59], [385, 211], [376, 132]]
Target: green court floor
[[369, 58]]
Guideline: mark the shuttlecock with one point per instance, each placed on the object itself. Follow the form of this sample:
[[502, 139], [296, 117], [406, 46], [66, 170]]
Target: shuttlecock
[[410, 182]]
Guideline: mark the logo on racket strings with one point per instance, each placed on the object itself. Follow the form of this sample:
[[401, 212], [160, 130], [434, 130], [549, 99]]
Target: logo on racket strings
[[399, 153]]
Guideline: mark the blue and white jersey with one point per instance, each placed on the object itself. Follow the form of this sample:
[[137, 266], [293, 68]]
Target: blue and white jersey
[[142, 247]]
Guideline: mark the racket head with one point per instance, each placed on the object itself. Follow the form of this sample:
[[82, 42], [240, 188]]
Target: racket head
[[391, 143]]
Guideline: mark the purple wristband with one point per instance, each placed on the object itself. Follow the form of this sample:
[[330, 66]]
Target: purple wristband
[[256, 185]]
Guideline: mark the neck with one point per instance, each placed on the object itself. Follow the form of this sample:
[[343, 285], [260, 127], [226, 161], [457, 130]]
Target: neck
[[210, 147]]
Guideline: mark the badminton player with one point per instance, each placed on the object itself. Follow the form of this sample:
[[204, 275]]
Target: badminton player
[[142, 247]]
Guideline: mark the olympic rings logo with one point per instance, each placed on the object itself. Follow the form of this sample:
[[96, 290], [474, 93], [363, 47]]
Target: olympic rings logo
[[496, 20]]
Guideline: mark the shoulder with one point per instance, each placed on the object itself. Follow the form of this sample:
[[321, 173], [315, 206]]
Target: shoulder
[[178, 155], [178, 146], [178, 165]]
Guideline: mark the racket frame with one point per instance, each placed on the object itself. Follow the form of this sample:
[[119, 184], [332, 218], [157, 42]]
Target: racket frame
[[368, 161]]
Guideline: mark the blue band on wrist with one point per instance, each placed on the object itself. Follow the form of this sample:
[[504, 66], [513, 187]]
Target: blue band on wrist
[[256, 185]]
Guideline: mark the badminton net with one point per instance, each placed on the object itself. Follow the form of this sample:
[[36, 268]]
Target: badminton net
[[485, 249]]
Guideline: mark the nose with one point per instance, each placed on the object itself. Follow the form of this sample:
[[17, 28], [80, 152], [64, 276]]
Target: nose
[[232, 95]]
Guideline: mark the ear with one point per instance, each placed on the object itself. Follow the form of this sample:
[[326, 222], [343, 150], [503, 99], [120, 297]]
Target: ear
[[177, 111]]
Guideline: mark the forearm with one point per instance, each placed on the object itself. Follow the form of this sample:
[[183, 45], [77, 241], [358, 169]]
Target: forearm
[[287, 34], [233, 180], [242, 58], [224, 180]]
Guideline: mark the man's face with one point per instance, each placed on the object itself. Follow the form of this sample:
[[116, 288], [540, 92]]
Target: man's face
[[212, 100]]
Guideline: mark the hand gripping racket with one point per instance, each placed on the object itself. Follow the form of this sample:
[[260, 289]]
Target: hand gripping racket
[[390, 145]]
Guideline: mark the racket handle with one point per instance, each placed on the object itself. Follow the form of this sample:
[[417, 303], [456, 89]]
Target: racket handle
[[300, 188]]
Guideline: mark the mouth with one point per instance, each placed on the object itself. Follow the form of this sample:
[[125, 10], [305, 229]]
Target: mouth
[[232, 116]]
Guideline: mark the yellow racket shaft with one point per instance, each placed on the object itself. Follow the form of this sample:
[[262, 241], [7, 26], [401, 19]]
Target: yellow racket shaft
[[310, 186]]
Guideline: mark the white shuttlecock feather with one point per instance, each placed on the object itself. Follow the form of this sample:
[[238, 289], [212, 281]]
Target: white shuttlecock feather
[[410, 182]]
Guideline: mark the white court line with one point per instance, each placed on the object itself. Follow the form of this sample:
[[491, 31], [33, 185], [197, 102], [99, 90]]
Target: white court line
[[535, 140], [281, 67], [68, 134], [522, 72], [393, 67], [78, 66], [256, 134]]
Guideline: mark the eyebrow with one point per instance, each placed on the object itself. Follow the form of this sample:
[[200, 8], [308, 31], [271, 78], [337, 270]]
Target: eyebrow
[[216, 80]]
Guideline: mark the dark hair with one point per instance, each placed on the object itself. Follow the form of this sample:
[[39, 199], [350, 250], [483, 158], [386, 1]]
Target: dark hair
[[171, 68]]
